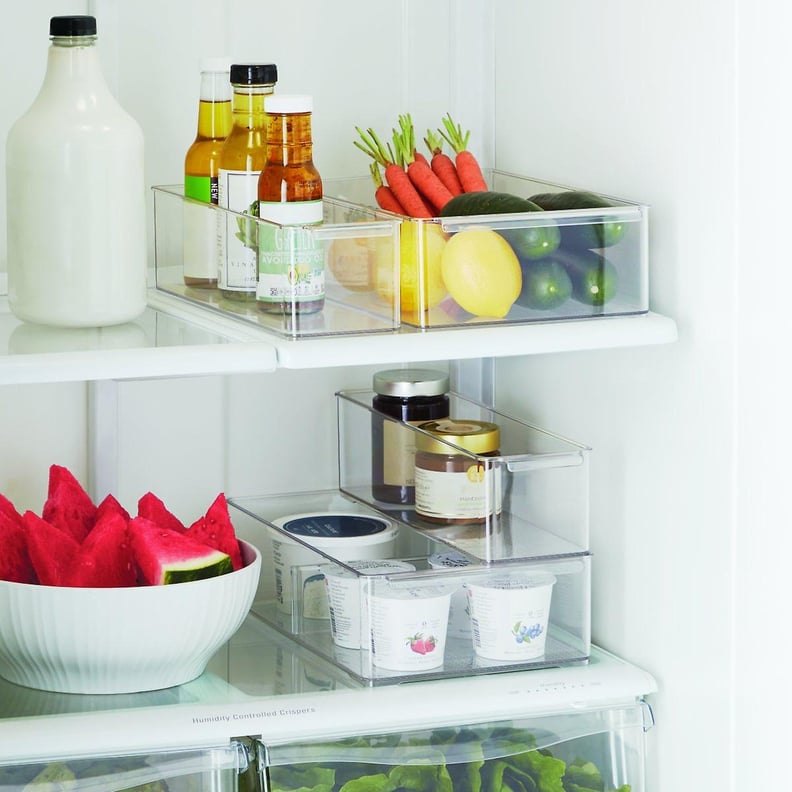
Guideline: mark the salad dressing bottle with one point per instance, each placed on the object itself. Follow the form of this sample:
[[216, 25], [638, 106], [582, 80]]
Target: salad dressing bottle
[[201, 173], [242, 157], [291, 260], [76, 211]]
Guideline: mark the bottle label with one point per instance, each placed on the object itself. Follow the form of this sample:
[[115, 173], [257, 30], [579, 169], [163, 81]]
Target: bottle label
[[200, 229], [291, 260], [237, 239], [398, 453]]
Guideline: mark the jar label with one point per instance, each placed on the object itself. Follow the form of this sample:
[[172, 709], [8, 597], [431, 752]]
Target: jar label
[[398, 453], [290, 258], [237, 238], [472, 493]]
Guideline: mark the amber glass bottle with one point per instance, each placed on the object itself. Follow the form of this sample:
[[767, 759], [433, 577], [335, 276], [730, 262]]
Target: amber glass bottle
[[291, 260], [241, 159], [201, 173]]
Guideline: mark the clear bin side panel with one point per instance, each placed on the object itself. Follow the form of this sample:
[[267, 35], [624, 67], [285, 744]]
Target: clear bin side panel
[[353, 245], [222, 769], [383, 613], [568, 263], [535, 489], [600, 750]]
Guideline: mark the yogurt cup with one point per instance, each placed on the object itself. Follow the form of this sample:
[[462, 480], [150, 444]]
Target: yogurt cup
[[347, 598], [408, 625], [341, 535], [509, 614], [459, 614]]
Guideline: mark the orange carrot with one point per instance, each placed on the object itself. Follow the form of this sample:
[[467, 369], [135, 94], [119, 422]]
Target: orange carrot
[[418, 169], [468, 168], [395, 175], [383, 194], [442, 164]]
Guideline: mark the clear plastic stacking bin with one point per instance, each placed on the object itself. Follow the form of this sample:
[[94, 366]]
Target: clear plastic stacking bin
[[387, 602], [532, 494], [356, 241], [571, 263]]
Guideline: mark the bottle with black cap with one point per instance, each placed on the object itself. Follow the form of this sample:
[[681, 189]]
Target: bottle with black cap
[[76, 194], [241, 159]]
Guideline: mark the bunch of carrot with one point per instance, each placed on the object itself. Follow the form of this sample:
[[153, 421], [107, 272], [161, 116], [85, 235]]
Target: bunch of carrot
[[415, 185]]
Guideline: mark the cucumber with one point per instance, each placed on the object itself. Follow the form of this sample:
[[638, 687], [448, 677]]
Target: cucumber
[[531, 242], [545, 285], [583, 235], [487, 202], [595, 280]]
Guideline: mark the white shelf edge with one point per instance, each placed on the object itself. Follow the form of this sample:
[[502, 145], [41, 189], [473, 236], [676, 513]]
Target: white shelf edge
[[464, 343]]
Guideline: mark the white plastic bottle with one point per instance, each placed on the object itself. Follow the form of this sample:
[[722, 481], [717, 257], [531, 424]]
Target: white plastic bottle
[[75, 194]]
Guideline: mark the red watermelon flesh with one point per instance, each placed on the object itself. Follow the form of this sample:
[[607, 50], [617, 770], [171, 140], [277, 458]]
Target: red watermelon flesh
[[164, 556], [15, 563], [216, 530], [152, 508], [110, 505], [68, 505], [104, 560], [51, 549]]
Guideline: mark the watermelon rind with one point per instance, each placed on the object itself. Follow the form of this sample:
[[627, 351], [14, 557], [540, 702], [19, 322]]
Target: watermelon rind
[[165, 557]]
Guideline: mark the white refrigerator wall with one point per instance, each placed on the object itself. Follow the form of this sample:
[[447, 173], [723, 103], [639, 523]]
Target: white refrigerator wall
[[671, 103]]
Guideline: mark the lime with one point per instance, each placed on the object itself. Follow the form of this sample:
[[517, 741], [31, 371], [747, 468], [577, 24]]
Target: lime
[[481, 272]]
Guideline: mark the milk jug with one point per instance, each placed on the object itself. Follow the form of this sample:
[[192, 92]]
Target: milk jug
[[75, 194]]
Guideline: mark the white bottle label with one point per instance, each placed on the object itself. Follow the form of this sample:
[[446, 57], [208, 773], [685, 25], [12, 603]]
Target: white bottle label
[[237, 239], [291, 260]]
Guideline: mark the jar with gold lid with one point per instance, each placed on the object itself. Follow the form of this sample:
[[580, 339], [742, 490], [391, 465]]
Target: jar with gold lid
[[455, 481]]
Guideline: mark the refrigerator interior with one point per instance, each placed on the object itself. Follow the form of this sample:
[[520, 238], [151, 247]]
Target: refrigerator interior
[[657, 128]]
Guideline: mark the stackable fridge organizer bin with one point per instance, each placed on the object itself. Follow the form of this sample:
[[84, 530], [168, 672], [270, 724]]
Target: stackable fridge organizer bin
[[301, 611], [540, 479], [624, 226], [353, 238]]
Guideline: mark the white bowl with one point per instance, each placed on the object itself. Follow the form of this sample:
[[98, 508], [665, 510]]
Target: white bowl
[[120, 640]]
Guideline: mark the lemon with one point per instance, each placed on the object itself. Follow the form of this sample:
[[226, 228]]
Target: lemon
[[420, 279], [349, 260], [481, 272]]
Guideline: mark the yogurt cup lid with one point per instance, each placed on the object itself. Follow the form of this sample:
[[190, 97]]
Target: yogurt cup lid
[[515, 580], [367, 567], [321, 528]]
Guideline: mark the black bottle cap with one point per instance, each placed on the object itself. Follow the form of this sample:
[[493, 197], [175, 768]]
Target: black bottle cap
[[69, 26], [253, 73]]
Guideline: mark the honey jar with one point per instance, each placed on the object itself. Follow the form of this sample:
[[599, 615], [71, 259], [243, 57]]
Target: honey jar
[[455, 482]]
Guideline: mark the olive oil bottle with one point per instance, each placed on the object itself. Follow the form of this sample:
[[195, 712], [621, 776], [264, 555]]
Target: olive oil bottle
[[201, 169], [242, 157]]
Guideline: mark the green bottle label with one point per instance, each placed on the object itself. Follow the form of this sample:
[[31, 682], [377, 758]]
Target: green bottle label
[[201, 188]]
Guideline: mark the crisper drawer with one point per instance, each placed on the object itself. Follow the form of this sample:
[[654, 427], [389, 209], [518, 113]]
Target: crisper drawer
[[601, 750], [223, 769]]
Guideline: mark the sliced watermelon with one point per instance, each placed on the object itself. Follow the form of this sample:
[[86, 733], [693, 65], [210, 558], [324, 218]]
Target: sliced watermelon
[[216, 530], [15, 563], [104, 560], [110, 505], [164, 556], [68, 505], [152, 508], [51, 550]]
